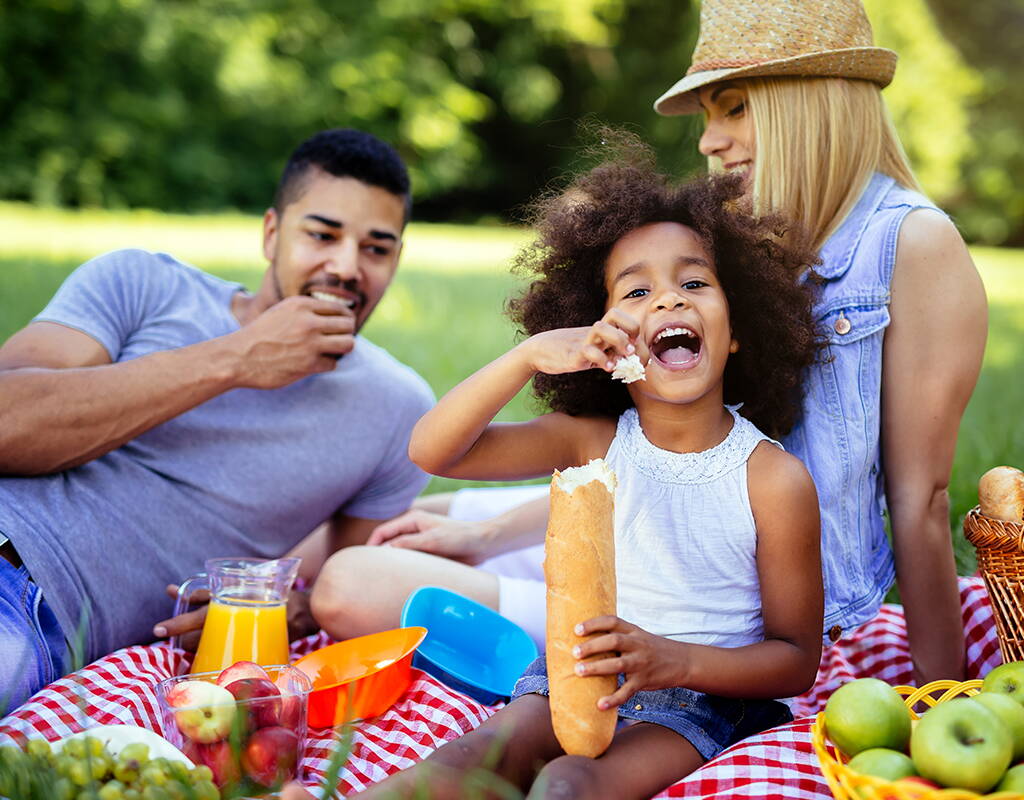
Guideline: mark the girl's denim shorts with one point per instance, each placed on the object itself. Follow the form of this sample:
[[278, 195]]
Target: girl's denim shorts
[[708, 722]]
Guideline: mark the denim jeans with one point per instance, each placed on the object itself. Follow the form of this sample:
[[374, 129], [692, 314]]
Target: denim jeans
[[33, 650]]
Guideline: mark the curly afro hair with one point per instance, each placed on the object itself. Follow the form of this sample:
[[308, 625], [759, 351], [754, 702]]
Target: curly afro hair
[[758, 261]]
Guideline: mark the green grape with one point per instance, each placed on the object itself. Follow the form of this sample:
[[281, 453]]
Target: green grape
[[76, 748], [177, 770], [137, 751], [112, 790], [79, 773], [94, 746], [100, 765], [10, 755], [152, 792], [126, 770], [152, 774], [63, 763], [63, 789], [201, 773], [131, 793], [205, 790], [40, 748], [178, 790]]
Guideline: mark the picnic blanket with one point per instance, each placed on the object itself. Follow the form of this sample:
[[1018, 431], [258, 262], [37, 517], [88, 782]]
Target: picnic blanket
[[779, 763]]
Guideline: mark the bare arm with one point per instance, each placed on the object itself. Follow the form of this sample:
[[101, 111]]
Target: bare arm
[[64, 403], [469, 542], [932, 357], [785, 506], [457, 438]]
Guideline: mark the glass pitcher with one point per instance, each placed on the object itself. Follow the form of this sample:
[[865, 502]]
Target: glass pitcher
[[247, 619]]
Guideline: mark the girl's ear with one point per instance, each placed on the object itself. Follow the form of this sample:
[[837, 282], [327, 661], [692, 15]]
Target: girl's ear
[[734, 346]]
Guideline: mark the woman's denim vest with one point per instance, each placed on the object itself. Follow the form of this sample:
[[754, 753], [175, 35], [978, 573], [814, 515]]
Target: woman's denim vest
[[837, 436]]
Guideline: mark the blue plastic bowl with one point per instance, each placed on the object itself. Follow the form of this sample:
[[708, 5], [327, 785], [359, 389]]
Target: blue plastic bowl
[[469, 647]]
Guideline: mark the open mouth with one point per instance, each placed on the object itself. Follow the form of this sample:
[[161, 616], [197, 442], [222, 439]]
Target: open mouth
[[346, 302], [676, 347]]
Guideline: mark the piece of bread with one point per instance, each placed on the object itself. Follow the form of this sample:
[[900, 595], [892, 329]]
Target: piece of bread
[[579, 569], [1001, 494]]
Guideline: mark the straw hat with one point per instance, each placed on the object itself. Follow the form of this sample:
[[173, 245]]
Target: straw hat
[[753, 38]]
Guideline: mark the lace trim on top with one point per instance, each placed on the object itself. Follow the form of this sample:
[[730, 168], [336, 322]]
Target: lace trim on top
[[691, 468]]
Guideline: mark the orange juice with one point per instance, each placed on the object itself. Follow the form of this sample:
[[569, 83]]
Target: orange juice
[[246, 631]]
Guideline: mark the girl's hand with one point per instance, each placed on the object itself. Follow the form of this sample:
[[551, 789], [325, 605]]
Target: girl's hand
[[600, 345], [647, 661]]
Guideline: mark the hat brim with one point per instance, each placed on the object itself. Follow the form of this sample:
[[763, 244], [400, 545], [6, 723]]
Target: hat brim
[[875, 64]]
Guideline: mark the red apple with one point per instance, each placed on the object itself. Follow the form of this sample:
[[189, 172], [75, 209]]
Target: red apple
[[239, 670], [203, 711], [916, 786], [222, 761], [291, 711], [260, 699], [270, 755]]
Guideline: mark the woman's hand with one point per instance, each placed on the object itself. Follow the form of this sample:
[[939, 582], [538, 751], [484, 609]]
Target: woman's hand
[[600, 345], [435, 534], [647, 661]]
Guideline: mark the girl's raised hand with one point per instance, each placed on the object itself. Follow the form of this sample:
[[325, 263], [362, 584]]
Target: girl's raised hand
[[647, 661], [600, 345]]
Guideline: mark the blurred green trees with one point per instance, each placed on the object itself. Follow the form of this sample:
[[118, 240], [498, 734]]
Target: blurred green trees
[[194, 104]]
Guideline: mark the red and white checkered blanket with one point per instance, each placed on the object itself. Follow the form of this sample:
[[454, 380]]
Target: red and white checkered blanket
[[780, 763]]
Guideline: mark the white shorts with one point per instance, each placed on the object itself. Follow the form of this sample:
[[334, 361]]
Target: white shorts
[[520, 573]]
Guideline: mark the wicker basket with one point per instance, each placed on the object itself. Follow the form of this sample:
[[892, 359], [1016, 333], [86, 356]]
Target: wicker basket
[[849, 785], [1000, 549]]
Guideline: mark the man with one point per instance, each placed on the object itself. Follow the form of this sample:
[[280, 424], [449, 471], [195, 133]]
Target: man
[[155, 416]]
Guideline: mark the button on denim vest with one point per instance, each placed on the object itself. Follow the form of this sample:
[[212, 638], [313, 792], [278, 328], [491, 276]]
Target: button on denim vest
[[837, 436]]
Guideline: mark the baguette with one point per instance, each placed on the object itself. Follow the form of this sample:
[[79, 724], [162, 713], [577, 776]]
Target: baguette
[[1001, 494], [579, 569]]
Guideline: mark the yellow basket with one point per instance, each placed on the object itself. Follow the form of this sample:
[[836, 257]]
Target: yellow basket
[[849, 785], [1000, 549]]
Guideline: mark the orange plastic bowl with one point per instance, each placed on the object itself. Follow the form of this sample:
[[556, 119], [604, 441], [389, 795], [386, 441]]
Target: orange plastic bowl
[[360, 677]]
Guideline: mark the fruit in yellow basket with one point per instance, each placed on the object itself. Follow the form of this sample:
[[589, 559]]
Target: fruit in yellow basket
[[203, 711], [916, 786], [239, 670], [1013, 780], [883, 763], [1006, 679], [867, 713], [961, 743], [1012, 715], [270, 755]]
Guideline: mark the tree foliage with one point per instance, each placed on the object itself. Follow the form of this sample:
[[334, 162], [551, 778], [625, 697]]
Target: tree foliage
[[194, 104]]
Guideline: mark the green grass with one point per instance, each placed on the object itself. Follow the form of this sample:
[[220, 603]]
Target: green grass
[[443, 315]]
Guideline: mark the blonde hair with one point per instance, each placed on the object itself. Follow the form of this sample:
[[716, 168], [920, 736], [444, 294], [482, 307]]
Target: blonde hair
[[818, 141]]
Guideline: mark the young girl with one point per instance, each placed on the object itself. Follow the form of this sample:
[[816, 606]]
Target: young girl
[[717, 529]]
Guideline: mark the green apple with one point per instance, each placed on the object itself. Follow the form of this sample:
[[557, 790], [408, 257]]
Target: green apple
[[867, 713], [1011, 713], [883, 763], [1006, 679], [961, 743], [1013, 780]]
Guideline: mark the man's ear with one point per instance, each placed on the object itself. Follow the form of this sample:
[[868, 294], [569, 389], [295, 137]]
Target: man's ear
[[270, 223]]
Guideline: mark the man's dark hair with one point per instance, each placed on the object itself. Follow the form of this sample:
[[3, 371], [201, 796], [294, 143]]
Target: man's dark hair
[[344, 153], [757, 260]]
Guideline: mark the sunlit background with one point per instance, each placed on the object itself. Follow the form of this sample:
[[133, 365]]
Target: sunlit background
[[164, 125]]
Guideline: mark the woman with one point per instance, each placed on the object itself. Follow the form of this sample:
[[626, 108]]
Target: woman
[[792, 99]]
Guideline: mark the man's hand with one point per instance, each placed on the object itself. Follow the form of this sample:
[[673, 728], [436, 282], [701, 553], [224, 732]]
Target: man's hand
[[647, 661], [435, 534], [297, 337], [189, 625]]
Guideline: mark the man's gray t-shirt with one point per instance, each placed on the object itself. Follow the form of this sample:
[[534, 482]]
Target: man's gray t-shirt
[[248, 473]]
